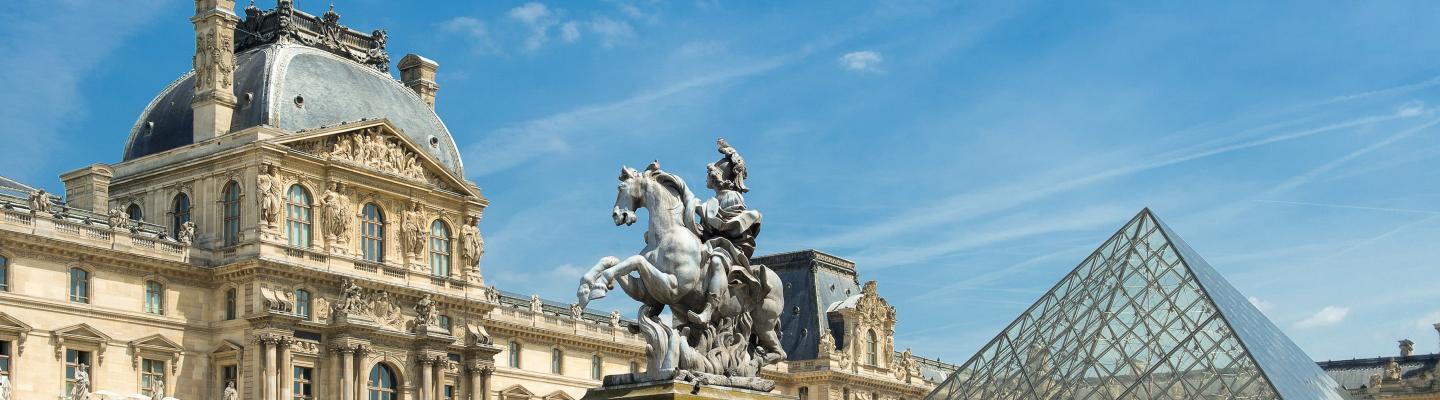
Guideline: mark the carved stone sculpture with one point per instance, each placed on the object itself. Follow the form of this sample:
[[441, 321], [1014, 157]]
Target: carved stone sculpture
[[1392, 370], [471, 246], [186, 234], [905, 367], [39, 202], [5, 387], [577, 311], [352, 299], [413, 230], [614, 318], [118, 219], [267, 187], [425, 314], [696, 262], [336, 216], [81, 389], [230, 393], [535, 304], [157, 388]]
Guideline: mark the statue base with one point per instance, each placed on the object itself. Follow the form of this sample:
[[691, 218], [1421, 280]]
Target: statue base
[[675, 387]]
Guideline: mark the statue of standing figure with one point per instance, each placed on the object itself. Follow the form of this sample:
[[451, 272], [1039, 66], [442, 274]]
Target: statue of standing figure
[[39, 202], [413, 230], [187, 233], [230, 393], [697, 263], [267, 188], [5, 387], [157, 388], [336, 214], [471, 246], [425, 314], [81, 388]]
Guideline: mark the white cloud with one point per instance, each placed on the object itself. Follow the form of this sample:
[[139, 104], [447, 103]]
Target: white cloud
[[538, 18], [865, 60], [1262, 305], [531, 13], [570, 31], [1330, 315], [476, 30], [611, 31]]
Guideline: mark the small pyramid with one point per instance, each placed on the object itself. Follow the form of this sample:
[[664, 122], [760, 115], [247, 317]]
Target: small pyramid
[[1143, 317]]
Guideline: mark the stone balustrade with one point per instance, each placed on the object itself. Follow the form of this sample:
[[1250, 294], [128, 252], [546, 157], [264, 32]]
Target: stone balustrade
[[91, 233]]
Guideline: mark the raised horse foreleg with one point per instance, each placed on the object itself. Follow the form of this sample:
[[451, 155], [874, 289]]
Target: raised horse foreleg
[[660, 286]]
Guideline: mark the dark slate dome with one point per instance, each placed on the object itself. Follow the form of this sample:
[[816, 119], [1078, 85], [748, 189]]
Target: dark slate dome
[[294, 87]]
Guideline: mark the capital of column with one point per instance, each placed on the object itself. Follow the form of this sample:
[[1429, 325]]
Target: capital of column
[[343, 349]]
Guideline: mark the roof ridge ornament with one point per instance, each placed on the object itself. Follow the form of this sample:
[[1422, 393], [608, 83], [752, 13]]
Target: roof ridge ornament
[[285, 23]]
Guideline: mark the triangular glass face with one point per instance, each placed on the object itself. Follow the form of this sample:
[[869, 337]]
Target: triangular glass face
[[1143, 317]]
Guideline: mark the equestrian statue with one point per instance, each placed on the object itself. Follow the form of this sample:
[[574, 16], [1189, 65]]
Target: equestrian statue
[[725, 310]]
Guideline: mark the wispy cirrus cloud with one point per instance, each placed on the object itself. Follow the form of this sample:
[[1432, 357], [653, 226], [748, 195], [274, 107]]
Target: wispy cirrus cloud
[[1328, 316], [864, 61]]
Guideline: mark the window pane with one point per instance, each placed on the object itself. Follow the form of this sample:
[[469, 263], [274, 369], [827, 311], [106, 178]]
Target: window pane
[[232, 213], [302, 303], [180, 214], [230, 304], [79, 285], [372, 233], [440, 248], [298, 216]]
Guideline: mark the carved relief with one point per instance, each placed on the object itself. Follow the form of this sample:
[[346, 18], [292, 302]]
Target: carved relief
[[186, 234], [576, 311], [40, 202], [374, 149], [425, 313], [212, 61], [118, 219]]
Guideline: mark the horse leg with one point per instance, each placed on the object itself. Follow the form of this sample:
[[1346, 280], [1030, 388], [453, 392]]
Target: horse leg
[[595, 284], [660, 285]]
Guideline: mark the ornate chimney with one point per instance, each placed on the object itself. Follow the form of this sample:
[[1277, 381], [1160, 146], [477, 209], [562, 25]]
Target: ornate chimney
[[214, 60], [418, 74], [1407, 348]]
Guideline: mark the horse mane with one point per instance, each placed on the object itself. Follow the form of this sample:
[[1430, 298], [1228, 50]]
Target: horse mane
[[687, 198]]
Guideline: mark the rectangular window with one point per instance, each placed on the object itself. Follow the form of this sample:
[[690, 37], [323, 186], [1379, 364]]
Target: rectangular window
[[152, 377], [73, 360], [304, 383], [4, 274], [5, 358], [154, 297], [232, 214], [229, 375], [79, 285], [514, 354], [230, 304], [448, 393]]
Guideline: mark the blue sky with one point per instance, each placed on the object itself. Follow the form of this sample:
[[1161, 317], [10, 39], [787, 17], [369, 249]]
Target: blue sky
[[965, 155]]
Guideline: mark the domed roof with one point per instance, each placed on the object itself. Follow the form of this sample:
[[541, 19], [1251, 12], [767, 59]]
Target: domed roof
[[294, 87]]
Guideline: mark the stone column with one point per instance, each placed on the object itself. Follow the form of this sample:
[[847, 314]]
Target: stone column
[[344, 366], [485, 382], [358, 363], [287, 369], [427, 378], [267, 368]]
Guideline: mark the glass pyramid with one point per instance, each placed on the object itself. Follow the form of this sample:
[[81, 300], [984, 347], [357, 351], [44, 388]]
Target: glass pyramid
[[1143, 317]]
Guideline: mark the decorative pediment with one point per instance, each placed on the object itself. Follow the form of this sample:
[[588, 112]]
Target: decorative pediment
[[83, 334], [13, 328], [227, 347], [558, 395], [156, 347], [516, 392], [377, 146]]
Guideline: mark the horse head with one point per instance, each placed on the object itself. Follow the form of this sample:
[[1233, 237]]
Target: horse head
[[629, 196]]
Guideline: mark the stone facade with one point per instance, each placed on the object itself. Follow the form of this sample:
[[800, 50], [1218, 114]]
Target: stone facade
[[333, 260]]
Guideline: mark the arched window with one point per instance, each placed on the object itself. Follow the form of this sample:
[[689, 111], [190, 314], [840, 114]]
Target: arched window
[[804, 393], [230, 202], [440, 248], [302, 303], [382, 383], [230, 304], [180, 213], [134, 212], [557, 361], [4, 274], [298, 216], [372, 233], [515, 354], [154, 297], [79, 285], [596, 367], [872, 353]]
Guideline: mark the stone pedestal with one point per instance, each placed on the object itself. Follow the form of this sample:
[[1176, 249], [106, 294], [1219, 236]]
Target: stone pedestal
[[676, 390]]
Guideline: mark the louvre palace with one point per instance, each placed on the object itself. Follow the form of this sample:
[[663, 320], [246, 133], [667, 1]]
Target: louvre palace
[[291, 221]]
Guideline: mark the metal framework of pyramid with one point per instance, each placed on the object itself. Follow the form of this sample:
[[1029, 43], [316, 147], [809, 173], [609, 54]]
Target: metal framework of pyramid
[[1143, 317]]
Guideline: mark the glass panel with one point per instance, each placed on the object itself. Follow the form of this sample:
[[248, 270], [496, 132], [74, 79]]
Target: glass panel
[[302, 303], [232, 213], [180, 214], [557, 359], [1142, 317], [152, 378], [134, 212], [372, 233], [4, 274], [230, 304], [298, 216], [303, 388], [514, 355], [79, 285], [74, 359], [4, 357], [440, 248]]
